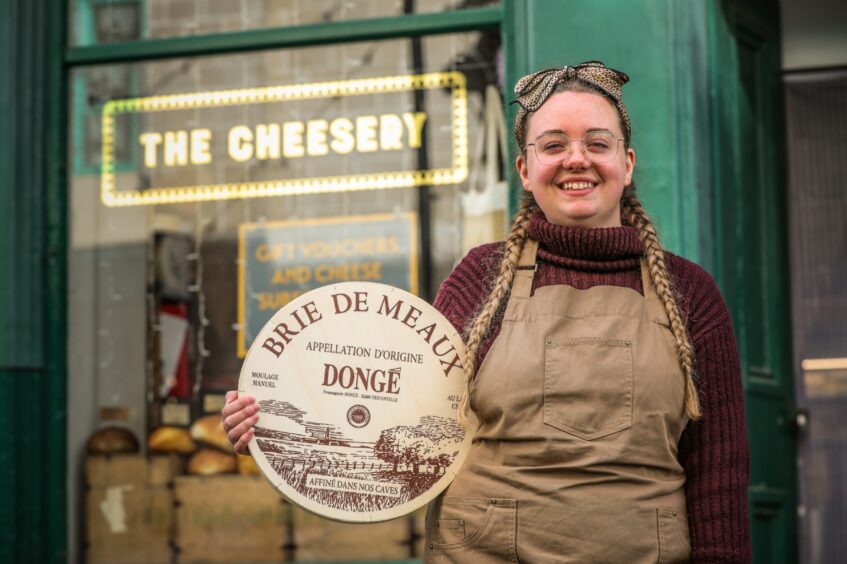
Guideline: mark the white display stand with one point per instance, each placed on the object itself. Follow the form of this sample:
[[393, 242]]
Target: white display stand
[[358, 385]]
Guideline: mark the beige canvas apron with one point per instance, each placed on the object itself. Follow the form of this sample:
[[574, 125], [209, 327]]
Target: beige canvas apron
[[580, 402]]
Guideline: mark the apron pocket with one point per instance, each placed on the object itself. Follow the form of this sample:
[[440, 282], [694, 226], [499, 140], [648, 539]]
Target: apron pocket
[[674, 543], [588, 386], [466, 527]]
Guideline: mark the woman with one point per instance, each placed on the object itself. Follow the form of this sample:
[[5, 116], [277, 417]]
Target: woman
[[608, 393]]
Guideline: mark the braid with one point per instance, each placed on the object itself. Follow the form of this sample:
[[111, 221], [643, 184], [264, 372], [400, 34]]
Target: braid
[[633, 213], [481, 323]]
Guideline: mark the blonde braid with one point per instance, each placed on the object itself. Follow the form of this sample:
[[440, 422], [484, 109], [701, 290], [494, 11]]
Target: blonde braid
[[633, 213], [481, 324]]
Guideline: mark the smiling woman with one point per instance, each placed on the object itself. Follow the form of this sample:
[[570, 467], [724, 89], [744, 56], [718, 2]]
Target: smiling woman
[[582, 341]]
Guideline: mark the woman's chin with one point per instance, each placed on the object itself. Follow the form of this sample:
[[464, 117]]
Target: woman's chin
[[583, 216]]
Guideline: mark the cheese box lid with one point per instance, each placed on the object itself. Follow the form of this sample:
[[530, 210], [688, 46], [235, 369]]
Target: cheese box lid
[[358, 384]]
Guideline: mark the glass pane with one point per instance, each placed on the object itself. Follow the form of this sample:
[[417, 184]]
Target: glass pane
[[205, 194], [109, 21], [816, 200]]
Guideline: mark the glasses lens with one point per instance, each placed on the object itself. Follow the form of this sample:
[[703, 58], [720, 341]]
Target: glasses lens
[[552, 148], [598, 147]]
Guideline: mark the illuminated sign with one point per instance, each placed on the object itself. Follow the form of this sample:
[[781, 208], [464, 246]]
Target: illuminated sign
[[322, 136], [280, 261]]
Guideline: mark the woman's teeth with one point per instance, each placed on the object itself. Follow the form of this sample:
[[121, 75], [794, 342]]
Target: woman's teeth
[[577, 185]]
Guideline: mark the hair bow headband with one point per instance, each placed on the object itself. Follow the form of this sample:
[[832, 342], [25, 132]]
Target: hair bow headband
[[534, 89]]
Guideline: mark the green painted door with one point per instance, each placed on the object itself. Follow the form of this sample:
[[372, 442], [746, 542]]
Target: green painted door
[[751, 227], [705, 100]]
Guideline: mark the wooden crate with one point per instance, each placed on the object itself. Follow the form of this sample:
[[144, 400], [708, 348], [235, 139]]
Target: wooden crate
[[318, 539], [228, 518], [118, 469], [129, 510]]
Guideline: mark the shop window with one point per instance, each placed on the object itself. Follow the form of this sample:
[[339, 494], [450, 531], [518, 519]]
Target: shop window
[[216, 190]]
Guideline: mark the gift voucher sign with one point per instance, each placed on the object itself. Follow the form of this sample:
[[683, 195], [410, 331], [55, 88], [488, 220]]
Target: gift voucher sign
[[358, 385]]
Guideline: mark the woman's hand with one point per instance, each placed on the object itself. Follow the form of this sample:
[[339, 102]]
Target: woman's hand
[[239, 414]]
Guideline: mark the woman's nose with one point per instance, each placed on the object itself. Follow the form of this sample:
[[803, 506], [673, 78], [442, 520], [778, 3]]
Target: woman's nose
[[576, 159]]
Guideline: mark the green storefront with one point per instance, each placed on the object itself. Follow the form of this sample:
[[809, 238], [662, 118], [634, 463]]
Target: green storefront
[[93, 219]]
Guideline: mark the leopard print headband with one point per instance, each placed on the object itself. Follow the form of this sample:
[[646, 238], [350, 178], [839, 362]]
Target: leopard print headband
[[534, 89]]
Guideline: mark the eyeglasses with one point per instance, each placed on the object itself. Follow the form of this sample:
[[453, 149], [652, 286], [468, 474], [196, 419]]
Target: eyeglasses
[[554, 148]]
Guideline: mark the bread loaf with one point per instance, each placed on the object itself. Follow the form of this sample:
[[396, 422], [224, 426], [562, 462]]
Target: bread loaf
[[171, 439], [112, 440], [247, 466], [210, 430], [210, 462]]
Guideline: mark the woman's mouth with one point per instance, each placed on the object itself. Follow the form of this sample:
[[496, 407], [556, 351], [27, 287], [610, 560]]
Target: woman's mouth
[[574, 186]]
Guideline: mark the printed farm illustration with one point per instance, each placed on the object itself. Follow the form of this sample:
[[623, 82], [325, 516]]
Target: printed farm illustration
[[322, 464]]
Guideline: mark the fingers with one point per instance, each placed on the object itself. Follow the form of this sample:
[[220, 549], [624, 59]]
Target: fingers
[[234, 404], [236, 433], [239, 414], [241, 445]]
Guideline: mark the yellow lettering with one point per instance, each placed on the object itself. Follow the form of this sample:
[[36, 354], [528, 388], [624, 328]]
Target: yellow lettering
[[292, 139], [267, 141], [176, 148], [295, 274], [200, 153], [414, 123], [276, 300], [239, 143], [264, 252], [322, 273], [326, 273], [150, 141], [341, 130], [316, 137], [366, 134], [390, 132]]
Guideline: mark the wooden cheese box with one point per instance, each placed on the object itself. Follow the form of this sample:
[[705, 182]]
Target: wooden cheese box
[[114, 470], [229, 518], [129, 509], [318, 539]]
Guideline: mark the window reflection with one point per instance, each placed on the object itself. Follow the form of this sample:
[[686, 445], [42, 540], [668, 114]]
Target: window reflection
[[110, 21]]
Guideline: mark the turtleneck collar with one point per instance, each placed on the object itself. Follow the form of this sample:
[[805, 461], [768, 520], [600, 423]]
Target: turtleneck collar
[[586, 248]]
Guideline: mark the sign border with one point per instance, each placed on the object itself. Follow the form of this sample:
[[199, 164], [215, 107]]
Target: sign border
[[458, 172], [311, 506]]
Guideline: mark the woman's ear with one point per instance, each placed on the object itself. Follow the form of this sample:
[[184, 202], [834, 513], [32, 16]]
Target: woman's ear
[[630, 165], [521, 165]]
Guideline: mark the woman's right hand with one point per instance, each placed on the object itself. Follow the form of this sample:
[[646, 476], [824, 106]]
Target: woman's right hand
[[239, 414]]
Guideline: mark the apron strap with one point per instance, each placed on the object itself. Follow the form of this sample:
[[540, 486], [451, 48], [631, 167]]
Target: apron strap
[[527, 265], [647, 283]]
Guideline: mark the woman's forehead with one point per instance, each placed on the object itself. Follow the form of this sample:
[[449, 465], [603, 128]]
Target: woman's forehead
[[574, 113]]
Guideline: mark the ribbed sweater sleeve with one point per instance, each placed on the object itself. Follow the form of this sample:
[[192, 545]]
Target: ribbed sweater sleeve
[[713, 451], [462, 293]]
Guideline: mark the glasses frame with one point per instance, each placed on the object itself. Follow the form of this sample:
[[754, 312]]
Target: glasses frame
[[569, 151]]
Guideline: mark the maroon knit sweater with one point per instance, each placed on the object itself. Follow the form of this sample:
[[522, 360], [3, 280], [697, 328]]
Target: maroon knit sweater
[[713, 451]]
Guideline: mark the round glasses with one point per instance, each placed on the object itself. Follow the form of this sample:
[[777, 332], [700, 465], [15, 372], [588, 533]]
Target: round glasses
[[554, 148]]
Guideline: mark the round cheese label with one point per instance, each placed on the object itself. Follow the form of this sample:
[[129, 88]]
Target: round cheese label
[[358, 385]]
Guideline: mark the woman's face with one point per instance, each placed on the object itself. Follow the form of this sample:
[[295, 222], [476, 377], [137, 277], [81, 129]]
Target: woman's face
[[577, 192]]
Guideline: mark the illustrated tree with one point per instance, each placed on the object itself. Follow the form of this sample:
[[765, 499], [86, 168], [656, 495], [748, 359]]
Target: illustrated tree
[[427, 443]]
